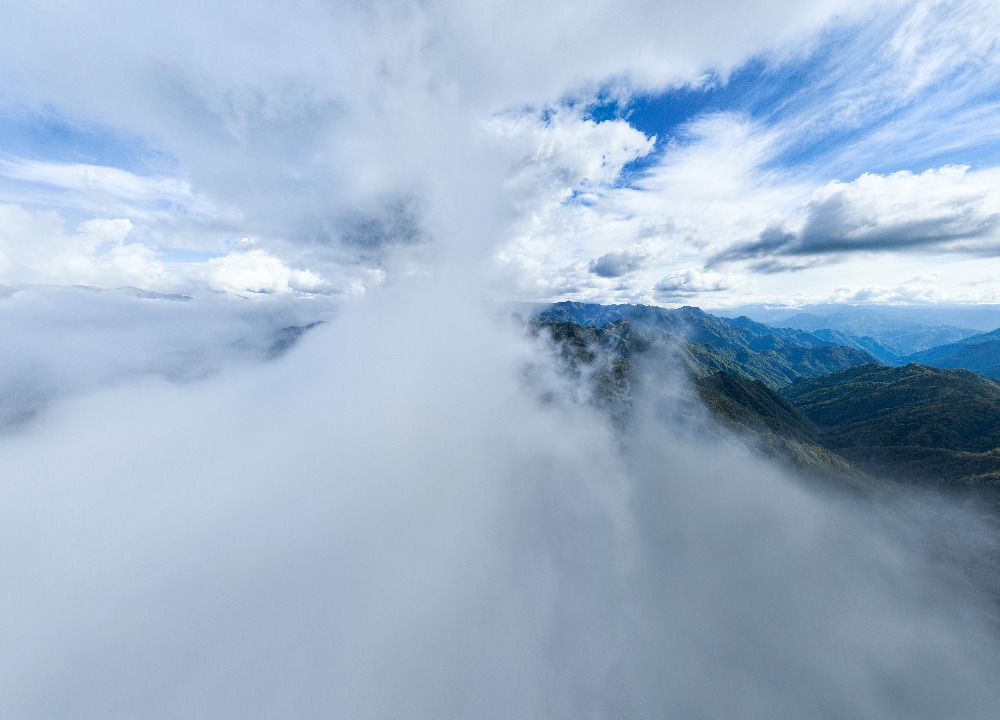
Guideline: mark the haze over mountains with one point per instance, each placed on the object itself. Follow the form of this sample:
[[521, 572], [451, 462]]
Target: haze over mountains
[[902, 329], [593, 511], [814, 397], [747, 348], [274, 449], [66, 342], [895, 336], [941, 336], [976, 352]]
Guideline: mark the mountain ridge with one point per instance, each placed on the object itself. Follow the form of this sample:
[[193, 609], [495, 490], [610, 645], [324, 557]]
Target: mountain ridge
[[708, 343]]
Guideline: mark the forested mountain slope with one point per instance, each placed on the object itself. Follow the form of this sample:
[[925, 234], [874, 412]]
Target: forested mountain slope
[[913, 422], [707, 343], [979, 353]]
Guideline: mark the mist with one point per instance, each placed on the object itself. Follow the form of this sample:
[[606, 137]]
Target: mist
[[354, 487], [61, 342], [415, 512]]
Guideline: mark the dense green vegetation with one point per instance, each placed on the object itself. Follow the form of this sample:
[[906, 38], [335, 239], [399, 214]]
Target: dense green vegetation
[[751, 404], [914, 422], [604, 354], [864, 343], [708, 344], [979, 353], [610, 357]]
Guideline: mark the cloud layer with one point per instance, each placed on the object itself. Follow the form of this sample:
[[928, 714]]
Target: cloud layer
[[416, 512], [307, 128], [948, 208], [424, 519]]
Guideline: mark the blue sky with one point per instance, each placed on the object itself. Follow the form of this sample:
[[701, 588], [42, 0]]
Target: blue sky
[[42, 133], [774, 92], [416, 513], [775, 153]]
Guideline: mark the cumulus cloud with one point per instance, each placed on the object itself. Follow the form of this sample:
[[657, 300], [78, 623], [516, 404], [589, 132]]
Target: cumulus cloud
[[164, 210], [563, 150], [354, 105], [702, 193], [692, 283], [729, 176], [949, 207], [617, 263], [36, 248], [372, 112], [914, 293], [255, 271]]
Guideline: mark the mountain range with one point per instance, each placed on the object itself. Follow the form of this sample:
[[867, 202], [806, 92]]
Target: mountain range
[[826, 401], [980, 353], [915, 422], [708, 343], [906, 329]]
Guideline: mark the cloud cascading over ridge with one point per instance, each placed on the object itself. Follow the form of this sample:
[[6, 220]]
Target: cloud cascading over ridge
[[428, 518], [415, 511]]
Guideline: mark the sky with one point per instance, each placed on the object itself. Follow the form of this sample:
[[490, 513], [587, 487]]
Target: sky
[[417, 511], [687, 153]]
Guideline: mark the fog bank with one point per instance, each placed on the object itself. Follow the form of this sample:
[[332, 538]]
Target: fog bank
[[396, 519], [63, 341]]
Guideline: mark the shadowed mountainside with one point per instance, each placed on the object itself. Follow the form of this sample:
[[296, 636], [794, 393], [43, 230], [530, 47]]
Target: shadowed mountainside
[[618, 357], [979, 353], [915, 423], [906, 424], [707, 344]]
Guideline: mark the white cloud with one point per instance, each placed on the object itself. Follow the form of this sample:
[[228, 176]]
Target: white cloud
[[364, 110], [565, 153], [164, 211], [936, 206], [904, 294], [944, 208], [62, 342], [706, 191], [351, 104], [616, 263], [86, 178], [691, 283], [942, 38], [35, 248], [248, 546], [391, 522], [255, 271], [714, 196]]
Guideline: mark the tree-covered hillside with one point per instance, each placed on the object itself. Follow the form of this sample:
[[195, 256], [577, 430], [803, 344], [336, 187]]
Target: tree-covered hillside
[[979, 353], [707, 343], [913, 422]]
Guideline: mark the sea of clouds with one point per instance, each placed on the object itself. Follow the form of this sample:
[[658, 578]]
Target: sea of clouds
[[415, 513]]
